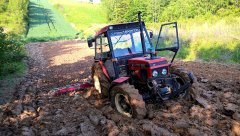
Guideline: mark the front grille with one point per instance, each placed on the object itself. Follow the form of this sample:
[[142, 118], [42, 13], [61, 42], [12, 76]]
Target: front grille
[[157, 63]]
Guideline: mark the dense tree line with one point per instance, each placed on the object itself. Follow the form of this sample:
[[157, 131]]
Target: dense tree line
[[168, 10]]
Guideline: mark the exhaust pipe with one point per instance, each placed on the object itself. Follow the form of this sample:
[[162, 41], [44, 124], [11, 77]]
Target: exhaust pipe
[[141, 33]]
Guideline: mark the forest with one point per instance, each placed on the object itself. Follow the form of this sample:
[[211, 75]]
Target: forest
[[170, 10]]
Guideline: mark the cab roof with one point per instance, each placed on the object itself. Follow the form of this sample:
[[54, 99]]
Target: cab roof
[[117, 27]]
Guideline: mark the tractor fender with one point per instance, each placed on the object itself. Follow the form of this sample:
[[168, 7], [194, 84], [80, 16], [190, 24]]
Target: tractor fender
[[115, 82], [120, 80]]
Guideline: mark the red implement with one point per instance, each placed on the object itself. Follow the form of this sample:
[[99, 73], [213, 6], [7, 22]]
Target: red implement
[[74, 87]]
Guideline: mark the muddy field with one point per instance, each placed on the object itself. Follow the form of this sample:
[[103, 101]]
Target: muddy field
[[35, 111]]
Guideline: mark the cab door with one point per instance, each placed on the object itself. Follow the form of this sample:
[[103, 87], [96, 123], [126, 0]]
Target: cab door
[[168, 40], [102, 53]]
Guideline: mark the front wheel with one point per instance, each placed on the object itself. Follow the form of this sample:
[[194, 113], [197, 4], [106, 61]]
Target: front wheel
[[182, 78], [127, 101]]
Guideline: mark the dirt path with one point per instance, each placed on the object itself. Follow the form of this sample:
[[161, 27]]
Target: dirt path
[[55, 64]]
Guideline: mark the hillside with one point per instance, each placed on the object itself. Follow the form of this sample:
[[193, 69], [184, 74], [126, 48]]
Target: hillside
[[86, 17], [45, 23]]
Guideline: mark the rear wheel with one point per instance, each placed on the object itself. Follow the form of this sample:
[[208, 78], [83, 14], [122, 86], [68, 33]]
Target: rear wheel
[[127, 101], [100, 81], [182, 78]]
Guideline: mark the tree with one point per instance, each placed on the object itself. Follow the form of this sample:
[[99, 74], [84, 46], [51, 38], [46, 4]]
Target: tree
[[166, 10]]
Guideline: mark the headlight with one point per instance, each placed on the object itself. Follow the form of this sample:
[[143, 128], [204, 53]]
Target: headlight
[[154, 73], [164, 71]]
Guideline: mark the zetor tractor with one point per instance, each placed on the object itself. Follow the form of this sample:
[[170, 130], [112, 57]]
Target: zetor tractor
[[128, 71]]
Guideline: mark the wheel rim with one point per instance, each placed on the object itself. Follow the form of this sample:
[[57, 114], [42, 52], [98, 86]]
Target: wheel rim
[[97, 83], [122, 105]]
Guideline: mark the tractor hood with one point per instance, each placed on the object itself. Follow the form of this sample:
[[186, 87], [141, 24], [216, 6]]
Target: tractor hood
[[146, 62]]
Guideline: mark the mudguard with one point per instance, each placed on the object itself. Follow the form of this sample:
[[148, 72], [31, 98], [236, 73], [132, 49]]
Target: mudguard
[[120, 80]]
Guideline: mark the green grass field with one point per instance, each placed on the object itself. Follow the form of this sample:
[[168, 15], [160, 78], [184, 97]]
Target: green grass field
[[209, 40], [45, 23], [85, 17]]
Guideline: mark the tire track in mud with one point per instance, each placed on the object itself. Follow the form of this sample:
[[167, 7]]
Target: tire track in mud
[[36, 111]]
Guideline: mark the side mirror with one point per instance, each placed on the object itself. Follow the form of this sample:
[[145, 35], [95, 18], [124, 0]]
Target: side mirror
[[90, 42], [151, 34]]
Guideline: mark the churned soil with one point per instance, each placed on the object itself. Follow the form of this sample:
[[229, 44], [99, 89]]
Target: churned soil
[[35, 111]]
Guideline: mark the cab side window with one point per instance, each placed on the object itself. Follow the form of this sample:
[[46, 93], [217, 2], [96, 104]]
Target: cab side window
[[98, 49], [102, 47], [105, 47]]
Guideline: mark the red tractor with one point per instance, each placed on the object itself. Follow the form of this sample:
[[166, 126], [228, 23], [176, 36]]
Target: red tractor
[[128, 71]]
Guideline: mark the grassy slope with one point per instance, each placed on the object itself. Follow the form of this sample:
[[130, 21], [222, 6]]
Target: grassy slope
[[85, 17], [210, 39], [45, 23]]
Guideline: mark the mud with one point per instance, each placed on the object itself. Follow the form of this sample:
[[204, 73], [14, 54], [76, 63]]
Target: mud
[[34, 111]]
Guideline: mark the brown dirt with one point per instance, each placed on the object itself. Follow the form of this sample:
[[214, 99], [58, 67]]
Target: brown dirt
[[34, 111]]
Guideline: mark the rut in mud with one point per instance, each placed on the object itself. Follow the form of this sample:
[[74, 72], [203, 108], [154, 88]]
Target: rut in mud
[[34, 111]]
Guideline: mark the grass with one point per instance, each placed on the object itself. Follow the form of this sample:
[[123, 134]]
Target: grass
[[45, 23], [209, 40], [13, 26], [12, 53], [13, 16], [85, 17], [212, 41], [13, 69]]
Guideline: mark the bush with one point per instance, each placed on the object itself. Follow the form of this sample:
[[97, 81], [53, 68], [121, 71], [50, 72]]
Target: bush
[[11, 53], [13, 15], [11, 68]]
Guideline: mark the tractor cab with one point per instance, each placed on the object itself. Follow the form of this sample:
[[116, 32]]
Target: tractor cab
[[120, 47], [116, 44]]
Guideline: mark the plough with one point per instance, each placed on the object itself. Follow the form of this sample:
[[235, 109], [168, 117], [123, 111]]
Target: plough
[[70, 88]]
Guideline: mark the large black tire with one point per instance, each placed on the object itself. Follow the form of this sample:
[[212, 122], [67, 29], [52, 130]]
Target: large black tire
[[101, 82], [133, 100], [183, 78]]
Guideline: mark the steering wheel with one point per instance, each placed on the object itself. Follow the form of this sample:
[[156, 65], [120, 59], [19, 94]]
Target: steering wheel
[[129, 50]]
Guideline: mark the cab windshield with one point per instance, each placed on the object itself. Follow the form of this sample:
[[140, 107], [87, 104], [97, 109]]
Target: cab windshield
[[128, 42]]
